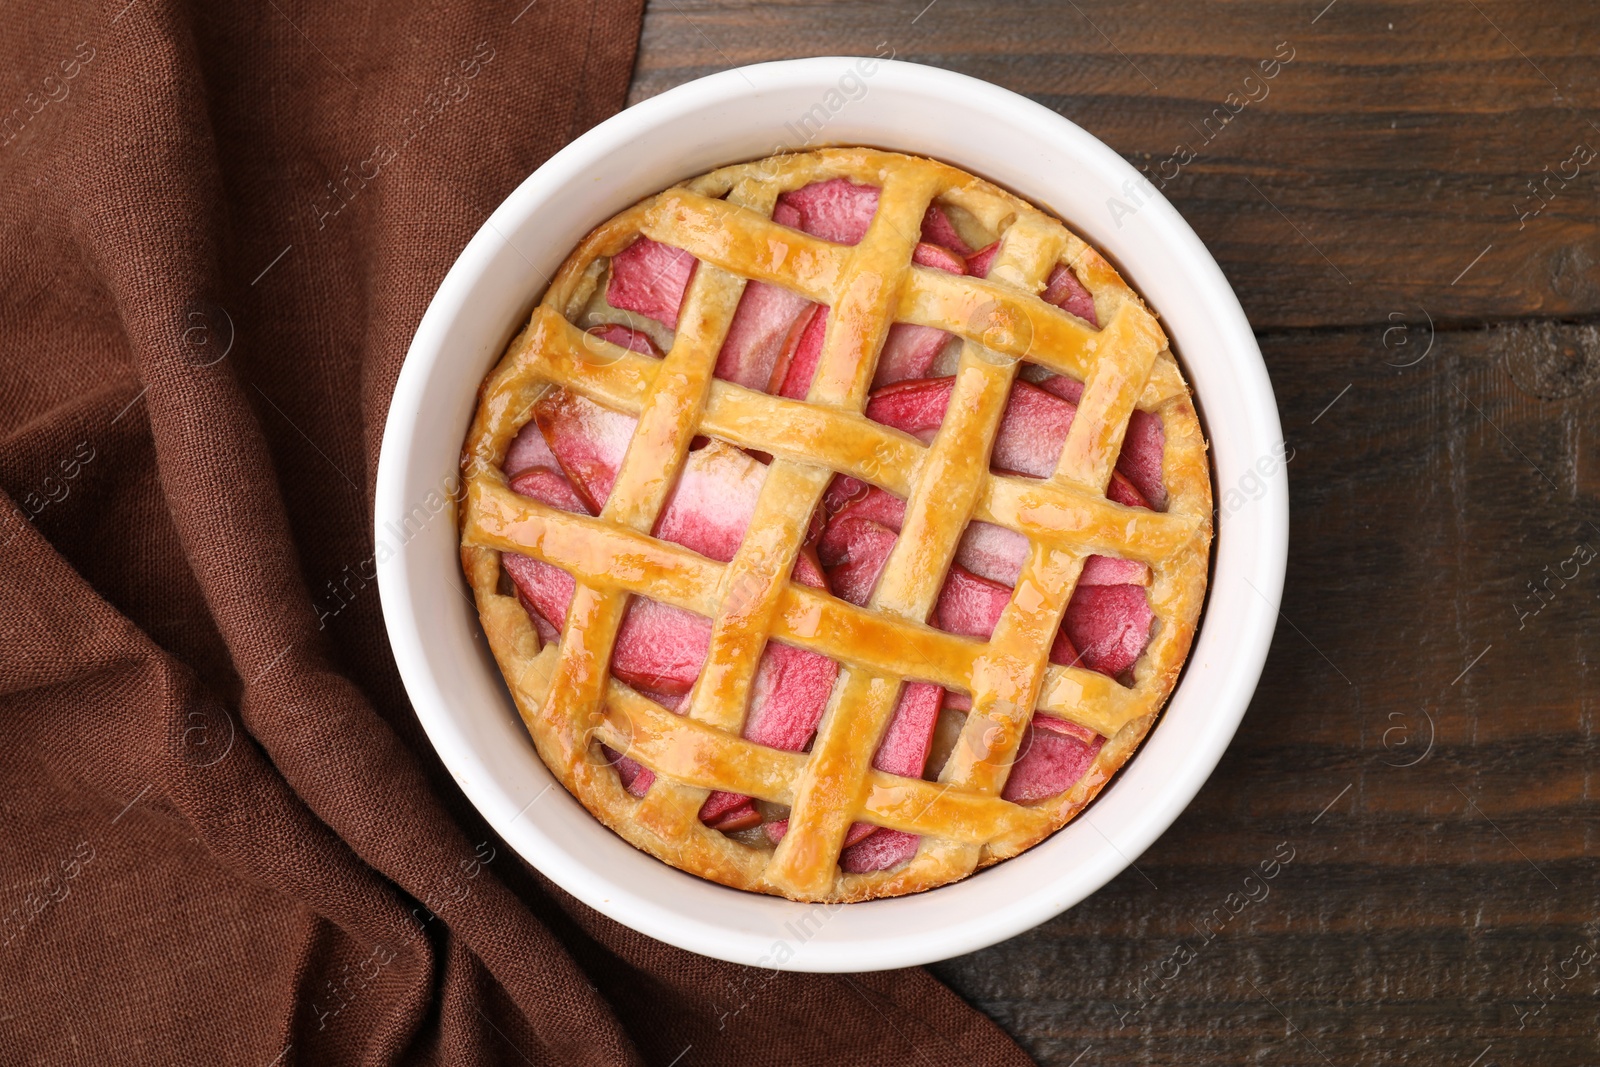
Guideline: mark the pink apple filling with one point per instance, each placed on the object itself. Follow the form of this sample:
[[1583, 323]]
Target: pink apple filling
[[569, 454]]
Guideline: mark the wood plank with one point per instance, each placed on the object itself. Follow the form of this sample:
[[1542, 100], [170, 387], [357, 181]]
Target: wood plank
[[1424, 903], [1423, 737], [1393, 149]]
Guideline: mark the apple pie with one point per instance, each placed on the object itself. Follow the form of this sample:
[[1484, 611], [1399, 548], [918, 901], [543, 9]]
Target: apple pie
[[840, 523]]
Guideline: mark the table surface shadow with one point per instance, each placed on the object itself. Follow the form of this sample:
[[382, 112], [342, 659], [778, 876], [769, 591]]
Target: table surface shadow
[[1409, 216]]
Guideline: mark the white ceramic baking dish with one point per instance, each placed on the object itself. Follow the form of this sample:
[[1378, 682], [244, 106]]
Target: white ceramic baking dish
[[744, 114]]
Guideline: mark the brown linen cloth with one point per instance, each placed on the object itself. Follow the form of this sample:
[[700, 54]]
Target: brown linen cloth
[[226, 839]]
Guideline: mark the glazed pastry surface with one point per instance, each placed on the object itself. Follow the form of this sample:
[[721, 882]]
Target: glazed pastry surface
[[580, 715]]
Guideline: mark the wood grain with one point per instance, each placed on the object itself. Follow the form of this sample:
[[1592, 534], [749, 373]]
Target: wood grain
[[1380, 163], [1423, 739]]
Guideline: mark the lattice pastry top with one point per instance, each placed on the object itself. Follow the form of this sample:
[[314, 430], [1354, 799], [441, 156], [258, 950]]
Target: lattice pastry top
[[840, 523]]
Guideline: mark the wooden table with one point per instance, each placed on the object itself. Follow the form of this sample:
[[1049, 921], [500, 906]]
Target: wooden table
[[1409, 217]]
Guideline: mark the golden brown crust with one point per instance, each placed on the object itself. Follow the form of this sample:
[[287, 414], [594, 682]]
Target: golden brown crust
[[566, 695]]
